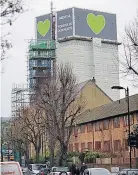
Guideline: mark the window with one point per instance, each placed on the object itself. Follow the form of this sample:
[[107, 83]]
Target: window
[[126, 120], [76, 147], [82, 147], [70, 147], [132, 119], [116, 122], [98, 145], [39, 53], [82, 128], [106, 124], [117, 145], [89, 146], [106, 146], [89, 127], [97, 126]]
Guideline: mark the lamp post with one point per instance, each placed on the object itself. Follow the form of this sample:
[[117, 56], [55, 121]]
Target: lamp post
[[128, 111]]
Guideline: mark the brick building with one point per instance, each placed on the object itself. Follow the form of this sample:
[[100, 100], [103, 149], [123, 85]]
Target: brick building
[[93, 97], [105, 128]]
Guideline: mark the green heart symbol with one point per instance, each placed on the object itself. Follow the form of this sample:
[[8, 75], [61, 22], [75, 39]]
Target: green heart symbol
[[96, 23], [43, 27]]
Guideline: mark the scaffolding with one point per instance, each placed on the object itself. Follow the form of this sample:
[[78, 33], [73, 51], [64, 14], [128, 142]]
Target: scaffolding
[[40, 60], [20, 99], [42, 56]]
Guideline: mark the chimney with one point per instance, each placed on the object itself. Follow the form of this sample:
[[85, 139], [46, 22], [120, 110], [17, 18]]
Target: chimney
[[93, 80]]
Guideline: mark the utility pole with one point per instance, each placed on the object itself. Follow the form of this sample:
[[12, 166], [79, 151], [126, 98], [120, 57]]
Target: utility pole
[[53, 37], [129, 123], [53, 21]]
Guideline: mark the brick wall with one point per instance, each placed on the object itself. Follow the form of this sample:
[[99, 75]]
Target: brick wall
[[116, 137]]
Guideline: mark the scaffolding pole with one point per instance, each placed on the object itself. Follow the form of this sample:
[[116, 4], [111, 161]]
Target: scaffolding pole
[[19, 99]]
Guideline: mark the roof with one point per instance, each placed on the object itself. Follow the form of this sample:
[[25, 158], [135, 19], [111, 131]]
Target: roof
[[80, 86], [113, 109]]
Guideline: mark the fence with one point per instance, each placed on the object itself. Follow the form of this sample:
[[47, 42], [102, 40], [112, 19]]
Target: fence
[[113, 162]]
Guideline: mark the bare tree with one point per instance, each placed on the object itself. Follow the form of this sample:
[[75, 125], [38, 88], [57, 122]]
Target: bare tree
[[28, 129], [135, 129], [56, 95], [131, 49], [5, 46], [16, 137], [33, 128], [10, 10]]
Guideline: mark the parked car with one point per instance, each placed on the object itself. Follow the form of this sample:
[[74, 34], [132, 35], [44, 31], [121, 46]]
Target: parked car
[[26, 171], [96, 171], [128, 172], [35, 168], [60, 171], [44, 171]]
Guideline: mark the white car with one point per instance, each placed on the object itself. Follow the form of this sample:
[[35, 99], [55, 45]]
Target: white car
[[128, 172], [35, 168], [25, 171], [96, 171], [60, 171]]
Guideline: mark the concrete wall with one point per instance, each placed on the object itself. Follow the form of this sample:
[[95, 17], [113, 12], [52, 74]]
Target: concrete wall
[[92, 59]]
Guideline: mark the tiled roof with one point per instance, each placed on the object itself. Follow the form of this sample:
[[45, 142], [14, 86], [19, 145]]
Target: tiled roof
[[109, 110]]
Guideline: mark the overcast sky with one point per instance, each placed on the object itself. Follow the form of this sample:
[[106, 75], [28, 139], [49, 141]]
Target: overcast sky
[[14, 69]]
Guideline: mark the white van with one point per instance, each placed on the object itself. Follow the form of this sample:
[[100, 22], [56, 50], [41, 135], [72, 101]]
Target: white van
[[12, 168], [96, 171]]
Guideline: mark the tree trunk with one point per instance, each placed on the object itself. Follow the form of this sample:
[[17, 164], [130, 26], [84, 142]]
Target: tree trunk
[[51, 157], [1, 152], [38, 148], [52, 154], [51, 146], [63, 155], [37, 155], [27, 155], [20, 157]]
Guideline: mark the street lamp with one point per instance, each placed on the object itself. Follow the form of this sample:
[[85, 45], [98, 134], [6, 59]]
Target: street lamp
[[129, 132]]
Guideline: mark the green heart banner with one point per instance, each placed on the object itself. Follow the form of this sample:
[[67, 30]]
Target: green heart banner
[[96, 23], [43, 27]]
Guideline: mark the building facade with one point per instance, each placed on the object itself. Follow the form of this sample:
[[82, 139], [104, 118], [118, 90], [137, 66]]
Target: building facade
[[105, 129], [88, 44], [92, 58], [40, 60]]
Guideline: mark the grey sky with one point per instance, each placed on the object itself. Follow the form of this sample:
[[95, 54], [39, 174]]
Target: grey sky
[[15, 68]]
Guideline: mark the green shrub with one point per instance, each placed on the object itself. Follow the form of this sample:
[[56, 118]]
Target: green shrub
[[87, 157], [82, 156], [73, 154]]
